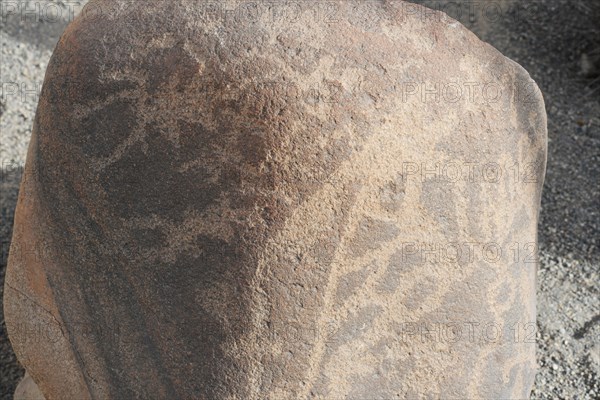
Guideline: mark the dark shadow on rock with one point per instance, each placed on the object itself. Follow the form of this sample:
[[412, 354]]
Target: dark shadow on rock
[[11, 371]]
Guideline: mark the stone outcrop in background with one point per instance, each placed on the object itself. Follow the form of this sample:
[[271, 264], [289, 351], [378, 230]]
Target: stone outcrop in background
[[253, 206]]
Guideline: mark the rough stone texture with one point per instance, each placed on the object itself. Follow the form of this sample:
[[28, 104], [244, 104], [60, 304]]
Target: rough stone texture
[[222, 205]]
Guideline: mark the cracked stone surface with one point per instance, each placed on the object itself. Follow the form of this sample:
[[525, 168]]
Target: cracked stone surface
[[249, 206]]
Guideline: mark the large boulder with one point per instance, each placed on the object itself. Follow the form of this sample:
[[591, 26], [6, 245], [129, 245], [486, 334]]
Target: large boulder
[[278, 200]]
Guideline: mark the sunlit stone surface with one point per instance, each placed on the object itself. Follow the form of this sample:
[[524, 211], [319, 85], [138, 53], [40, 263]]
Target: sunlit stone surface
[[281, 201]]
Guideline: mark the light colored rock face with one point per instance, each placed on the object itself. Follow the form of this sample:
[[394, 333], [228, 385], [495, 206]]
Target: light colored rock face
[[246, 205], [28, 390]]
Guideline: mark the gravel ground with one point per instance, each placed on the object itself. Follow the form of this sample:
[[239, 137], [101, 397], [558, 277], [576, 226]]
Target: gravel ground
[[555, 40]]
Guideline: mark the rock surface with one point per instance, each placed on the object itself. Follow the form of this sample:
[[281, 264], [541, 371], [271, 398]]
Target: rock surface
[[248, 205], [28, 390]]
